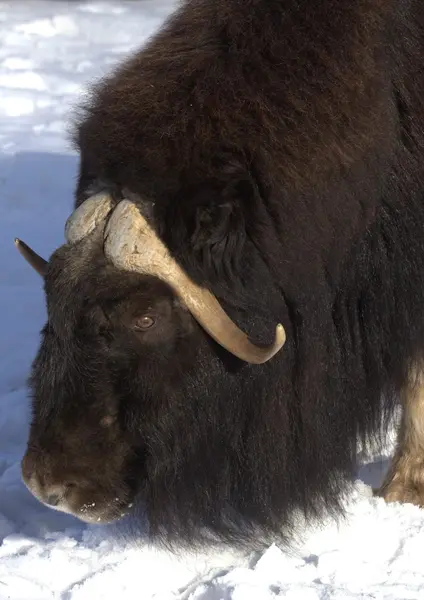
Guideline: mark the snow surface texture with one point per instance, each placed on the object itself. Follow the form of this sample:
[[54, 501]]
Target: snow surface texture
[[48, 52]]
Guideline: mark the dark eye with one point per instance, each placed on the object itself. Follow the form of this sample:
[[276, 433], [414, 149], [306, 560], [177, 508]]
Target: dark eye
[[144, 322]]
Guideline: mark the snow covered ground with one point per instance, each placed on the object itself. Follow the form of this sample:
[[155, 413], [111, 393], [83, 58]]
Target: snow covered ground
[[49, 50]]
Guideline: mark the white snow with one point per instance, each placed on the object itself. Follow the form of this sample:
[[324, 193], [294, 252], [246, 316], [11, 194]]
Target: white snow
[[49, 51]]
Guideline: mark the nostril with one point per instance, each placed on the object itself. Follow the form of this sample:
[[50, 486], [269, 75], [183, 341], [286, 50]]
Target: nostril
[[53, 499]]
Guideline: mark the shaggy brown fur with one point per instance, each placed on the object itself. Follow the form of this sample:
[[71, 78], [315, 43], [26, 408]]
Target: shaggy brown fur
[[281, 146]]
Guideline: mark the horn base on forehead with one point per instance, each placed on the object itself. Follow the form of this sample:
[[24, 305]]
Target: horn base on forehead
[[87, 217], [132, 244]]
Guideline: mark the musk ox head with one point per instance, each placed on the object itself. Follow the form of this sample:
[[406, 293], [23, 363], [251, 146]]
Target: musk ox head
[[128, 376]]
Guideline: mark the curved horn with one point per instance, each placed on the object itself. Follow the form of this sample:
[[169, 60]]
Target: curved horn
[[87, 217], [35, 260], [131, 244]]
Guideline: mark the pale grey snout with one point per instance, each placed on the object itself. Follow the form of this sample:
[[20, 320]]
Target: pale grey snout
[[52, 494]]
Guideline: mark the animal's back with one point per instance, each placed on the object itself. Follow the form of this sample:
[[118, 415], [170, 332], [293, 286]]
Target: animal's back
[[298, 88]]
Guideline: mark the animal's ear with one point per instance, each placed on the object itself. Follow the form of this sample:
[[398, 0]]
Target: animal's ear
[[218, 238], [205, 226], [218, 227]]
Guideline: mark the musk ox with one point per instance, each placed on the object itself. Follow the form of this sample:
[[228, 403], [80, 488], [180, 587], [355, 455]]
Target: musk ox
[[240, 299]]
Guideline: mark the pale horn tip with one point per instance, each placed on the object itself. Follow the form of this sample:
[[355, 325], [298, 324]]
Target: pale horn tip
[[34, 260], [280, 338], [280, 335], [263, 355]]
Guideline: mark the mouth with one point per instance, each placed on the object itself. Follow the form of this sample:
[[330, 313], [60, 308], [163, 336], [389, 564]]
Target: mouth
[[103, 513], [95, 512]]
